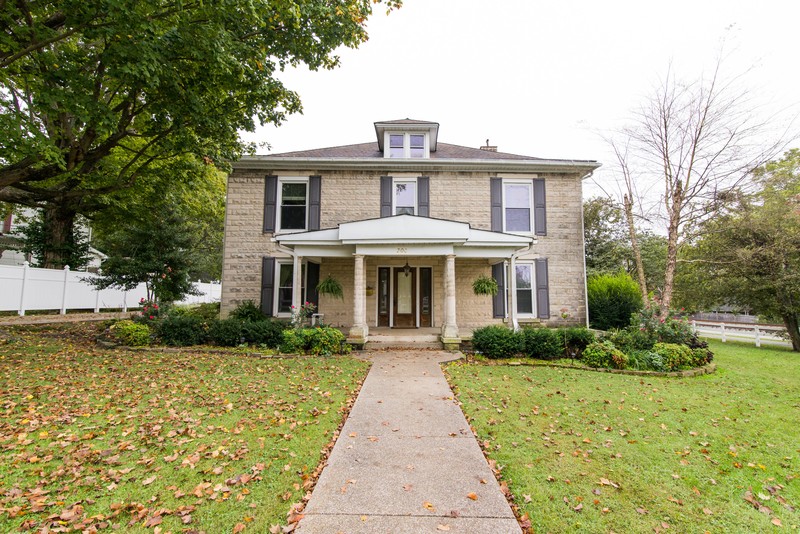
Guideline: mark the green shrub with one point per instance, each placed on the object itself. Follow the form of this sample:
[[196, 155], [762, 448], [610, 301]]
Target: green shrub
[[669, 329], [613, 298], [543, 343], [226, 332], [207, 311], [675, 356], [295, 341], [497, 341], [320, 341], [701, 356], [266, 332], [181, 330], [130, 333], [247, 311], [632, 338], [578, 338], [604, 354]]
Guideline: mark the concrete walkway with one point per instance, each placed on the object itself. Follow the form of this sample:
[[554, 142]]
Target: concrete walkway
[[406, 460]]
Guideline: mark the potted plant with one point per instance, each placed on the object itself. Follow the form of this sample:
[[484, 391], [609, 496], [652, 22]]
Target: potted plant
[[330, 286], [485, 285]]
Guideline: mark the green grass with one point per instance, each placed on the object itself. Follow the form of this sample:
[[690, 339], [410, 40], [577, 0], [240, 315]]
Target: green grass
[[683, 452], [108, 438]]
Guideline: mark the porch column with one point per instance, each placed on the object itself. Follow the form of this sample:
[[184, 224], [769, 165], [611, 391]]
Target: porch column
[[297, 283], [450, 328], [359, 331], [512, 278]]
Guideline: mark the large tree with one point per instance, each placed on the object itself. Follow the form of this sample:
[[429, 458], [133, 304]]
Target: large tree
[[750, 254], [93, 93], [699, 140]]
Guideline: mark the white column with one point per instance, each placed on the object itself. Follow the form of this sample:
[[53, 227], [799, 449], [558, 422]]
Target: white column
[[450, 328], [359, 331], [297, 282], [512, 279]]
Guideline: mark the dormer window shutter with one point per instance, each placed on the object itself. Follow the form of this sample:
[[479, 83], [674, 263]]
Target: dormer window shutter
[[496, 193], [539, 207], [542, 290], [314, 196], [423, 196], [386, 196], [267, 285], [270, 201]]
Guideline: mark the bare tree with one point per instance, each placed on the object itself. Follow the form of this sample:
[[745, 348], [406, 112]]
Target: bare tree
[[699, 139]]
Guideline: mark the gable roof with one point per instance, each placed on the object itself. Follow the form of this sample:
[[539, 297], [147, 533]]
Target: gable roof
[[371, 150]]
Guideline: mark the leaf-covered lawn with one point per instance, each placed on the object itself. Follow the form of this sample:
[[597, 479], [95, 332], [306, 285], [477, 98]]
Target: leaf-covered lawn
[[156, 442], [596, 452]]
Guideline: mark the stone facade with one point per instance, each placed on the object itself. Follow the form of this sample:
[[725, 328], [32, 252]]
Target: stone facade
[[458, 196]]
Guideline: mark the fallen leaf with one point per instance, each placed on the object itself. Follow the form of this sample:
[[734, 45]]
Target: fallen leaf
[[148, 481], [472, 496], [777, 522], [707, 511], [429, 506], [443, 527], [238, 528]]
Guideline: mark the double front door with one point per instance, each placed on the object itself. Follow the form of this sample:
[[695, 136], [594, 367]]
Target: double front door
[[405, 297]]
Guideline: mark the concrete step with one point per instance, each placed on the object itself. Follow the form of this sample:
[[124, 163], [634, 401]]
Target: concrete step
[[378, 345], [388, 341]]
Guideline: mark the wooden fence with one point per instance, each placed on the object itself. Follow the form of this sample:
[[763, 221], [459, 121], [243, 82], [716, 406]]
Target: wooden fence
[[750, 333]]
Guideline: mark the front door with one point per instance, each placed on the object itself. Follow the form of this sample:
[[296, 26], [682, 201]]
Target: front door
[[405, 298]]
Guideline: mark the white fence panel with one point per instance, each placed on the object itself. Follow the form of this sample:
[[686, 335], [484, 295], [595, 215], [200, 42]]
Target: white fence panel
[[748, 333], [24, 288]]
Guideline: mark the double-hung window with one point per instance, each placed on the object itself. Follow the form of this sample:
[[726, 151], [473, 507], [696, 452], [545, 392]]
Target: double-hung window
[[525, 288], [284, 274], [405, 197], [293, 202], [517, 206]]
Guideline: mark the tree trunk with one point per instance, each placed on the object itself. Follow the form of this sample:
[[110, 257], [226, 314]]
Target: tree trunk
[[627, 204], [791, 321], [672, 253], [59, 228]]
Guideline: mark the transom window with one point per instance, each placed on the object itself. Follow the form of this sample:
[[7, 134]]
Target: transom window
[[293, 203], [407, 145], [405, 197], [517, 206], [525, 289]]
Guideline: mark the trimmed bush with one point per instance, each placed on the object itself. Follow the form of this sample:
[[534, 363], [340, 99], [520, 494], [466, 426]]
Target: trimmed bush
[[179, 330], [675, 356], [632, 338], [248, 311], [266, 332], [322, 340], [604, 354], [645, 360], [613, 298], [131, 334], [226, 332], [543, 343], [497, 341], [578, 338]]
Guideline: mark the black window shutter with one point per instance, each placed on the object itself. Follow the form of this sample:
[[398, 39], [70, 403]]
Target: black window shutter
[[539, 207], [312, 280], [499, 300], [314, 196], [386, 196], [270, 200], [496, 192], [542, 290], [423, 196], [267, 285]]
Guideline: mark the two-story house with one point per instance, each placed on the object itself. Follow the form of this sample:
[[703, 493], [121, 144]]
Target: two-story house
[[406, 224]]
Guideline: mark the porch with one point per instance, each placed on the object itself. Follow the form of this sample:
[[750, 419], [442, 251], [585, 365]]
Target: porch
[[409, 339]]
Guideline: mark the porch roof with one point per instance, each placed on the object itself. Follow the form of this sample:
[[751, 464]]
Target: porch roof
[[404, 235]]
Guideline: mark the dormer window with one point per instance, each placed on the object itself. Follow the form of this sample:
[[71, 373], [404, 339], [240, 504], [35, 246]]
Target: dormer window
[[407, 145]]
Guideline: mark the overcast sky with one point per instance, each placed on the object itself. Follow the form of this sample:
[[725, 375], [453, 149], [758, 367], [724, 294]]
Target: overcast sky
[[536, 78]]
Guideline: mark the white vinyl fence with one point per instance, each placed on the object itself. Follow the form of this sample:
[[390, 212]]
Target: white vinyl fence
[[748, 333], [25, 288]]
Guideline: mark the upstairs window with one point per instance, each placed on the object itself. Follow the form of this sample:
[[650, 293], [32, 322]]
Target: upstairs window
[[293, 203], [407, 145], [517, 206], [405, 197]]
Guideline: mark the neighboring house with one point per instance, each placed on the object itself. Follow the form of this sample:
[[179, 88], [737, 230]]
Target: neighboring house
[[406, 224], [11, 243]]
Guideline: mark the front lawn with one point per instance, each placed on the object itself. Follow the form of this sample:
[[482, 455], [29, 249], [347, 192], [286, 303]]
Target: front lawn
[[597, 452], [143, 440]]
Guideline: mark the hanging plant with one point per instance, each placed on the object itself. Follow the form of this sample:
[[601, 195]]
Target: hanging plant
[[331, 286], [485, 285]]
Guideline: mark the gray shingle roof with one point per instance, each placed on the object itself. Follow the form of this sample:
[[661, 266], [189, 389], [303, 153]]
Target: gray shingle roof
[[370, 150]]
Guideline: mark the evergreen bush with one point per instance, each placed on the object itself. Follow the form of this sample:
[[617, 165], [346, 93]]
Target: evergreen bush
[[613, 298]]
